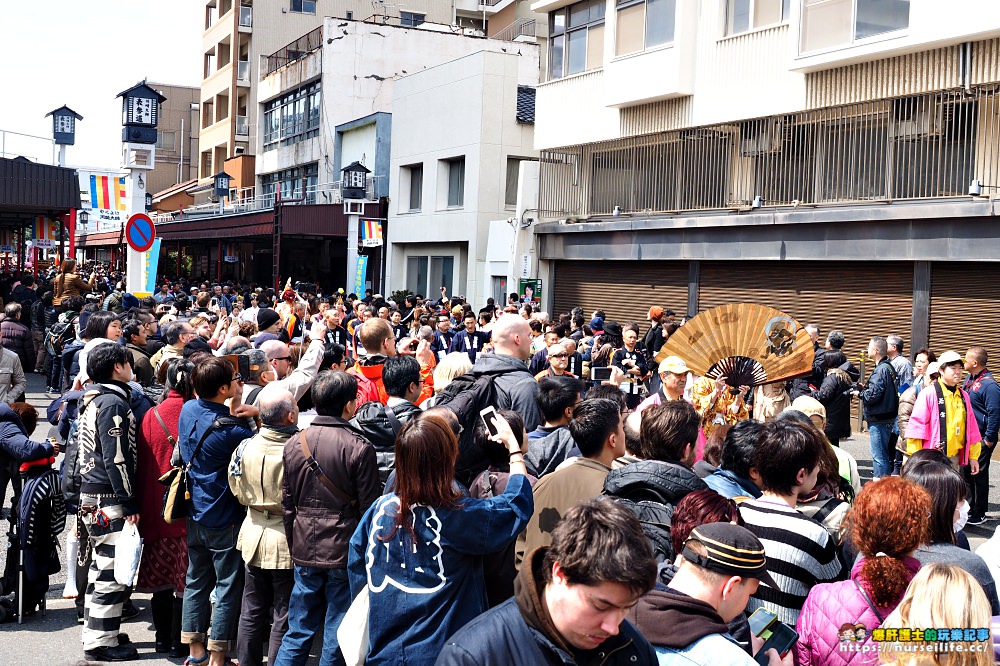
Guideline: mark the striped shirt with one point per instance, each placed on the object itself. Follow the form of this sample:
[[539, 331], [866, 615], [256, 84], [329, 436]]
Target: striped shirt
[[800, 554]]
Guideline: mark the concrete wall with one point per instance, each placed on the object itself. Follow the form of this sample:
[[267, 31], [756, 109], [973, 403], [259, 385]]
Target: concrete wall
[[473, 101]]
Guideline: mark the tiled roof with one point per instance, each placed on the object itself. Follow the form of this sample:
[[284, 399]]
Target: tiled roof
[[526, 105]]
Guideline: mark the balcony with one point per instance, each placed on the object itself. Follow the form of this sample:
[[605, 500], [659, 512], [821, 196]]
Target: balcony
[[246, 16], [521, 30], [929, 146], [243, 71], [242, 126], [300, 48]]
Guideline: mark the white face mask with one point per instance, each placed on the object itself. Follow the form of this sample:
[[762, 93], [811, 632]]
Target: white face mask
[[963, 515]]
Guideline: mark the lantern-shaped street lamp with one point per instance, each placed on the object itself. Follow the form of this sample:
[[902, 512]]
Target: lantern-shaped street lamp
[[220, 187], [140, 113], [354, 181], [64, 125]]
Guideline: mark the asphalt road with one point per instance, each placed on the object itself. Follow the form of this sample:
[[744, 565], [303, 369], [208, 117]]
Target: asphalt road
[[54, 639]]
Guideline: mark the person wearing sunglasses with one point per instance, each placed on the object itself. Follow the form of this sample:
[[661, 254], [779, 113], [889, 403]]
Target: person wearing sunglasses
[[558, 355]]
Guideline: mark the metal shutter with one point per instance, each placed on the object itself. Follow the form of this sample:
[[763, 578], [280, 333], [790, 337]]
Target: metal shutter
[[963, 308], [862, 300], [625, 290]]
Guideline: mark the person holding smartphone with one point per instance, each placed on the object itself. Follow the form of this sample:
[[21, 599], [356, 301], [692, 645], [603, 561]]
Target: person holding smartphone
[[720, 566]]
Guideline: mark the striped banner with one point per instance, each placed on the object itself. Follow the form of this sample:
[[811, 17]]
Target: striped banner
[[108, 198], [45, 232], [230, 253], [371, 233]]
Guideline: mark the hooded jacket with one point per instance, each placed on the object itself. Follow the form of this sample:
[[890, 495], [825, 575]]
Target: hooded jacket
[[521, 631], [685, 630], [16, 447], [516, 387], [547, 453], [370, 386], [651, 489]]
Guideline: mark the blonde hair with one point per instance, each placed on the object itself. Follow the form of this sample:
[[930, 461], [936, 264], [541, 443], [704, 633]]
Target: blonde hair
[[929, 603], [453, 365]]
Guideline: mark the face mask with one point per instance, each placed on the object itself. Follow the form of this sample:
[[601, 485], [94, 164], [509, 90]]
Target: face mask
[[963, 515]]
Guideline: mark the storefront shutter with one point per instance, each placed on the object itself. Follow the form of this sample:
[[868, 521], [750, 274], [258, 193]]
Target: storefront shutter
[[625, 290], [963, 308]]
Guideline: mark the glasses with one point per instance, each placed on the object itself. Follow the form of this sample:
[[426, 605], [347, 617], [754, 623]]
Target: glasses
[[282, 358], [558, 355], [237, 378]]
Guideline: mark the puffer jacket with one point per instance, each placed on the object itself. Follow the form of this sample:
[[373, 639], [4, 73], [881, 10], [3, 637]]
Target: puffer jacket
[[831, 606], [651, 489], [516, 387], [372, 422], [833, 393]]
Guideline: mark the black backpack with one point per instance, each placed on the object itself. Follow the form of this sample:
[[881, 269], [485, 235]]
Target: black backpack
[[58, 335], [466, 396]]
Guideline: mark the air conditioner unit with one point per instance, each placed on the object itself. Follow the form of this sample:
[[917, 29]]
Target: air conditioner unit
[[761, 137], [239, 150], [912, 120]]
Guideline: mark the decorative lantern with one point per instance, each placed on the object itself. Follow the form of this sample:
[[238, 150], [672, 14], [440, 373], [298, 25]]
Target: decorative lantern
[[354, 181], [140, 113], [64, 125]]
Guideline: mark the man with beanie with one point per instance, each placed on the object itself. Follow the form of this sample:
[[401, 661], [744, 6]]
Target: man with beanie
[[720, 567], [268, 325], [570, 598]]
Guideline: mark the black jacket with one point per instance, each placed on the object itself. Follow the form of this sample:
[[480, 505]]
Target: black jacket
[[509, 634], [372, 422], [107, 450], [835, 396], [516, 388], [17, 338], [881, 396], [651, 489]]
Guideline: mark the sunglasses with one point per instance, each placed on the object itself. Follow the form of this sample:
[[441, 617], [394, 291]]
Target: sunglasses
[[282, 358], [558, 355]]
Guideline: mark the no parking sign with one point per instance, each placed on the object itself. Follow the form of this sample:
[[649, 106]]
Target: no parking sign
[[140, 232]]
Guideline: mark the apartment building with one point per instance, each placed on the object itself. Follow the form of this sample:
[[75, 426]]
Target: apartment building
[[452, 178], [176, 137], [239, 34], [821, 156]]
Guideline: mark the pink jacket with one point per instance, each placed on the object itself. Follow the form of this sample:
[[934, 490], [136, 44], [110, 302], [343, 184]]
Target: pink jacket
[[926, 425], [830, 606]]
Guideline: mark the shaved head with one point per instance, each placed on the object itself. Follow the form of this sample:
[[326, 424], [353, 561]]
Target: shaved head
[[276, 406], [512, 336]]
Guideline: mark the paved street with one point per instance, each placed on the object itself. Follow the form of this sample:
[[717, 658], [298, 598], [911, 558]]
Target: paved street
[[25, 645]]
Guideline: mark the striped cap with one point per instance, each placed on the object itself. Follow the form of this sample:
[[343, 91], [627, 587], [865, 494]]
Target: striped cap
[[730, 549]]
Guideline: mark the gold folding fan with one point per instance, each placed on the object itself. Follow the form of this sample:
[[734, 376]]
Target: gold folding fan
[[747, 343]]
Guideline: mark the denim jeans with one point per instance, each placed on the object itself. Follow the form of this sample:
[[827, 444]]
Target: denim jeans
[[213, 563], [880, 435], [318, 596]]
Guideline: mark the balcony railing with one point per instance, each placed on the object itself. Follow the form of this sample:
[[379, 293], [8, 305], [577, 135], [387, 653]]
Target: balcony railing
[[249, 199], [246, 16], [522, 27], [291, 52], [243, 70], [923, 147], [242, 126]]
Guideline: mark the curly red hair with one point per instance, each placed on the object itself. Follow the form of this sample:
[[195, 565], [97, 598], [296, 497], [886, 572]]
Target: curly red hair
[[887, 523]]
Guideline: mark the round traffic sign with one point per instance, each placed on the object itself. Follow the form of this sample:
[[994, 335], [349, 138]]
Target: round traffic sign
[[140, 232]]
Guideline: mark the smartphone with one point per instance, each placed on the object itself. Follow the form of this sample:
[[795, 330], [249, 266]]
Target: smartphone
[[782, 639], [214, 303], [487, 416], [600, 374], [761, 620]]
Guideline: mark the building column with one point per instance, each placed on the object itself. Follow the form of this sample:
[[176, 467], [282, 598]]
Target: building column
[[921, 317], [694, 277]]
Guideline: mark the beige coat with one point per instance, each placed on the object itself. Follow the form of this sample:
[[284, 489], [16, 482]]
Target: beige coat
[[258, 487]]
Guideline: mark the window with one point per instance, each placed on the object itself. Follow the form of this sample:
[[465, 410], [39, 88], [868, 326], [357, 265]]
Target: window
[[416, 275], [744, 15], [292, 118], [513, 168], [350, 16], [831, 23], [166, 140], [643, 24], [456, 182], [289, 182], [426, 275], [413, 178], [576, 38], [411, 19], [303, 6]]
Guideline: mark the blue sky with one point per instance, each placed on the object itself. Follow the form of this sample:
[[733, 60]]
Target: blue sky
[[82, 53]]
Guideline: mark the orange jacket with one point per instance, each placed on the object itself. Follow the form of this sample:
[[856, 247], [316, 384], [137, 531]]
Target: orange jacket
[[371, 388]]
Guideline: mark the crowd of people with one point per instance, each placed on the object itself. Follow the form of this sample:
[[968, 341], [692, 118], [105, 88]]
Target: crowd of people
[[424, 482]]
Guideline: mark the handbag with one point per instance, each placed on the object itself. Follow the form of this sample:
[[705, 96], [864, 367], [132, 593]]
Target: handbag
[[175, 499], [352, 634]]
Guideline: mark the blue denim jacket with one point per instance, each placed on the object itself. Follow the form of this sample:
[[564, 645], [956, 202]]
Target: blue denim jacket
[[213, 505], [421, 593]]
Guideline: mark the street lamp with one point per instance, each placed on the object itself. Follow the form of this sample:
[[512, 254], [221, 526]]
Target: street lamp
[[140, 113], [353, 182], [149, 202], [220, 187]]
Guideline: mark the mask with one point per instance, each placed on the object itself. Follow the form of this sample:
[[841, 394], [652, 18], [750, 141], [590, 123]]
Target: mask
[[963, 515]]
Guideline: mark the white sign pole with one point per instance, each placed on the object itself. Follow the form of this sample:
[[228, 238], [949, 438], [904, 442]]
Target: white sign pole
[[138, 160]]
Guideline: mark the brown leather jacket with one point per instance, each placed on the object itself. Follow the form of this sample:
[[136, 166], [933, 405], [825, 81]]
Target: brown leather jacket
[[318, 524], [69, 284]]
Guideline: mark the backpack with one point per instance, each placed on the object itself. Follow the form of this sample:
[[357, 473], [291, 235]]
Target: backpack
[[58, 335], [466, 396]]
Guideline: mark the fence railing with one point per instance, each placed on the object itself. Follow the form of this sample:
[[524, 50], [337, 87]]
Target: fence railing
[[522, 27]]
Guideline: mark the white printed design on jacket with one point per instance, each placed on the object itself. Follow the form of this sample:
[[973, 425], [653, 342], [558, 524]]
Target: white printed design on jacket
[[419, 562]]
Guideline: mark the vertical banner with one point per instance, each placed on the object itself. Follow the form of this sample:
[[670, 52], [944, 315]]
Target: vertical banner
[[107, 200], [150, 264], [360, 275], [8, 241], [45, 232], [371, 233]]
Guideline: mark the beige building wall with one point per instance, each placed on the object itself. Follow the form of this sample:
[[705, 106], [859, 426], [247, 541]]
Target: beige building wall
[[178, 137]]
